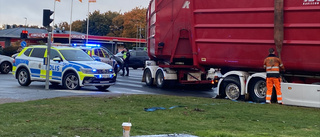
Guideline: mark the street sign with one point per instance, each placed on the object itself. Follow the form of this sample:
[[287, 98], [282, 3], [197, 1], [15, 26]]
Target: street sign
[[23, 44]]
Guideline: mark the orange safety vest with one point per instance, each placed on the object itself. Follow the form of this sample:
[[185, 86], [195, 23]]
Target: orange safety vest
[[273, 65]]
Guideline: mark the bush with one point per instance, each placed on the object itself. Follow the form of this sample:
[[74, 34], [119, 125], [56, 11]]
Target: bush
[[10, 50]]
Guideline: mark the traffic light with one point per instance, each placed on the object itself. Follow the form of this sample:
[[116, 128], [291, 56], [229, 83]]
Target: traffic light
[[24, 34], [46, 17]]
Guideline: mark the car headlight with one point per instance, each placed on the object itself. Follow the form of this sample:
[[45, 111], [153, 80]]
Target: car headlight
[[88, 71]]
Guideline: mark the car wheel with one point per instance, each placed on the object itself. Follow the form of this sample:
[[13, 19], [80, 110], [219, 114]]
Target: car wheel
[[102, 88], [148, 77], [24, 77], [71, 81], [5, 67]]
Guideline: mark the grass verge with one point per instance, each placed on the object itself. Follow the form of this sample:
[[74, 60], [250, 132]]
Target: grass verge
[[205, 117]]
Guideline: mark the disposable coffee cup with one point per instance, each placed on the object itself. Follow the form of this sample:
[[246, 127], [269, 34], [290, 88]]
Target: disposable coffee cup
[[126, 129]]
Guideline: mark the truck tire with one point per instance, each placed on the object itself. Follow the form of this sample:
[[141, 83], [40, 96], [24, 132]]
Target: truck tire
[[160, 82], [102, 88], [148, 77], [5, 67], [24, 77], [71, 81], [257, 90], [231, 88]]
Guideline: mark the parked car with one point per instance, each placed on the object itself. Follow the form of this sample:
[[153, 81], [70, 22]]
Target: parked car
[[6, 64], [137, 59], [104, 55]]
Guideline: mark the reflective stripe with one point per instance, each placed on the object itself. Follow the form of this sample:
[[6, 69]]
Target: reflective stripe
[[268, 96], [272, 71], [279, 96], [267, 101], [124, 55], [273, 67], [279, 101]]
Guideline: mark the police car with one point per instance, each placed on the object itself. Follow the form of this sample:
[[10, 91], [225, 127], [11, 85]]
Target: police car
[[69, 66], [101, 54]]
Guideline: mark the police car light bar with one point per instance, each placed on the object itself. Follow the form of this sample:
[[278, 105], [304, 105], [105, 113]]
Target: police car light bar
[[92, 45]]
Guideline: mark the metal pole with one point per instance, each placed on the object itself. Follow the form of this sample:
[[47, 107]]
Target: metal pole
[[54, 15], [25, 24], [70, 23], [48, 60], [88, 23], [137, 37]]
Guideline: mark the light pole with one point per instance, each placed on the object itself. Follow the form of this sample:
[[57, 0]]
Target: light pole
[[25, 23]]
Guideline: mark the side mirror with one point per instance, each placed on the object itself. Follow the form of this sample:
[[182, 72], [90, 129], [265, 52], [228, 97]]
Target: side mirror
[[57, 59], [96, 58]]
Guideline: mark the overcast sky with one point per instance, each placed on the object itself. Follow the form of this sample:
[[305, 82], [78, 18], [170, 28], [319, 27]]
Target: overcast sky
[[15, 11]]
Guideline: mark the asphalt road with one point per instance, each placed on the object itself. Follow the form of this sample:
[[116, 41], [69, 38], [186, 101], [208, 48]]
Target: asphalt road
[[11, 91]]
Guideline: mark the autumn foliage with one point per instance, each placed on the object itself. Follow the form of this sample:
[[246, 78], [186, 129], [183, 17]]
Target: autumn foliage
[[129, 24]]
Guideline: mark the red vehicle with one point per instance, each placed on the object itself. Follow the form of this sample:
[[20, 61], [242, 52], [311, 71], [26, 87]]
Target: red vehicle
[[190, 40]]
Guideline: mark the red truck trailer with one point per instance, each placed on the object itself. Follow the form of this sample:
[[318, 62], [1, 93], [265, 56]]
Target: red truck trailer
[[200, 41]]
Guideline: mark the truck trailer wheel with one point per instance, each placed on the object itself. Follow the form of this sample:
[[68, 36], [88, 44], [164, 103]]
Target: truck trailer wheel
[[257, 90], [231, 88], [160, 82], [148, 77]]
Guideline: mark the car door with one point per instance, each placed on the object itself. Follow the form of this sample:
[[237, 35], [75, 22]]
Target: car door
[[56, 66], [103, 56], [35, 63]]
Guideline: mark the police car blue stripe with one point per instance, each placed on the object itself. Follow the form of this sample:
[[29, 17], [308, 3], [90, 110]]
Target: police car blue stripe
[[72, 66], [18, 61], [37, 71], [84, 66], [38, 76], [56, 74]]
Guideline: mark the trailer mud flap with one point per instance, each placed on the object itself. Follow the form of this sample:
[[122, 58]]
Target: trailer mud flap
[[301, 94]]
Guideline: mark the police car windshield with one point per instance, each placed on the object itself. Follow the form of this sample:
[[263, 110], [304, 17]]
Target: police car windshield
[[75, 55]]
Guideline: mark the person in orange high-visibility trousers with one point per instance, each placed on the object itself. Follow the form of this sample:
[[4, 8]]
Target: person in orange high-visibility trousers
[[273, 65]]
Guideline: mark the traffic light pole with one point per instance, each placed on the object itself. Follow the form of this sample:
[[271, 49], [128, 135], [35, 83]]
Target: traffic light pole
[[47, 60]]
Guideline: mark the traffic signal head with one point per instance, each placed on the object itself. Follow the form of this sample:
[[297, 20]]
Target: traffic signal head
[[24, 34], [46, 17]]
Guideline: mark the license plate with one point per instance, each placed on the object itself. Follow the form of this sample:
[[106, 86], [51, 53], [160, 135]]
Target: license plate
[[106, 76], [104, 81]]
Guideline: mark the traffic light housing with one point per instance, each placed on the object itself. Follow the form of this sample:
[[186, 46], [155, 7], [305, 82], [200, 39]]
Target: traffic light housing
[[46, 17], [24, 34]]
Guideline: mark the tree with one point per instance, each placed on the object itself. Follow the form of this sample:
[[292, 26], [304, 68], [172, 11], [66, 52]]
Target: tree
[[99, 24], [116, 29], [133, 22], [65, 25], [78, 26]]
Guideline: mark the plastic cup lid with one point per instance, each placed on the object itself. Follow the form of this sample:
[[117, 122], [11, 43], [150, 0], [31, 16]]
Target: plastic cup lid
[[126, 124]]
